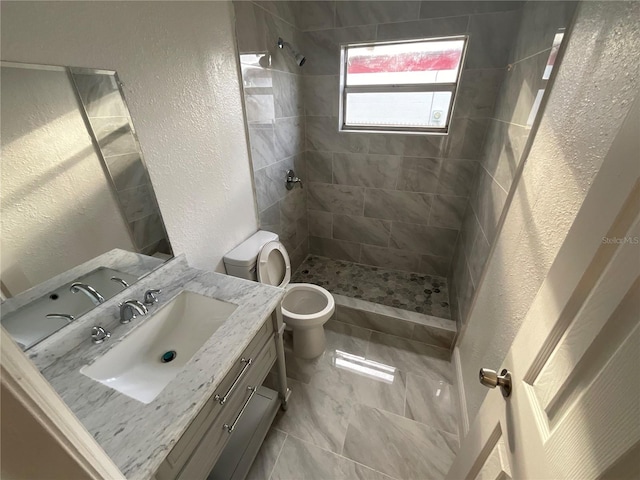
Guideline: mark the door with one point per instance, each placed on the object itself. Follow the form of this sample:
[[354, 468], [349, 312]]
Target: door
[[574, 409]]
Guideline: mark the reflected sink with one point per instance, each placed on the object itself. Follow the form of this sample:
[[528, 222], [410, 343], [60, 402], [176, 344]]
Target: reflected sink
[[153, 354]]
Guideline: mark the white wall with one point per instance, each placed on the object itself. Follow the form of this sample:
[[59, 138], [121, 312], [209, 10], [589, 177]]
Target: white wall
[[589, 101], [178, 63], [58, 209]]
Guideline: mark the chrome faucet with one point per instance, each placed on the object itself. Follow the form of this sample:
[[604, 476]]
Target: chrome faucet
[[120, 281], [88, 290], [292, 180], [130, 309]]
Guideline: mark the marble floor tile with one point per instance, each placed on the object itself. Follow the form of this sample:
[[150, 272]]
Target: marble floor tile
[[267, 455], [431, 402], [315, 415], [339, 336], [301, 460], [397, 446], [410, 356]]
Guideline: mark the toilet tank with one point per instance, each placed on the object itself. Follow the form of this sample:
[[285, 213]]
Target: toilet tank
[[241, 261]]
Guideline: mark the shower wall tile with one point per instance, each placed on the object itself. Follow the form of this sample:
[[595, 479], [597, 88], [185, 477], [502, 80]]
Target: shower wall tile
[[503, 151], [262, 143], [434, 265], [287, 92], [447, 8], [320, 224], [127, 171], [137, 202], [490, 38], [350, 13], [478, 257], [323, 135], [284, 10], [336, 198], [289, 136], [378, 171], [390, 258], [100, 95], [315, 15], [399, 206], [409, 145], [337, 249], [251, 27], [114, 136], [488, 203], [423, 28], [423, 239], [447, 211], [369, 231], [259, 105], [270, 218], [270, 183], [147, 230], [478, 91], [322, 47], [522, 84], [319, 166], [543, 21], [321, 94], [457, 177], [419, 174]]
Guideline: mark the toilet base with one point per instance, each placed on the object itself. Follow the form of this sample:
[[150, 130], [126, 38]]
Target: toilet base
[[309, 343]]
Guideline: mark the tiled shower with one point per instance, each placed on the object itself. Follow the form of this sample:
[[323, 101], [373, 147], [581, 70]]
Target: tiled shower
[[425, 204]]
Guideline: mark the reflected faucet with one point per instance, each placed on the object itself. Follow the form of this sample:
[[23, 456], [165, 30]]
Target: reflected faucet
[[88, 290]]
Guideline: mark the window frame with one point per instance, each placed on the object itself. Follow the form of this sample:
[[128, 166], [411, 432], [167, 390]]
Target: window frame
[[385, 88]]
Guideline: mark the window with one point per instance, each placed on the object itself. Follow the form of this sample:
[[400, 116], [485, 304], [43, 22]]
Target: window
[[407, 86]]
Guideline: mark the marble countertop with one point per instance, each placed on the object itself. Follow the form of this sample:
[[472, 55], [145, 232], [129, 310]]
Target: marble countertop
[[139, 436]]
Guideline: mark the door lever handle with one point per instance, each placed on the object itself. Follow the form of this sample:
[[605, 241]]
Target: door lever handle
[[490, 378]]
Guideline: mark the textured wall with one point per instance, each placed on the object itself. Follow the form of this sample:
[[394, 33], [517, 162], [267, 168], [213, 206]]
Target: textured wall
[[589, 101], [275, 119], [178, 63], [396, 200], [58, 209], [507, 135]]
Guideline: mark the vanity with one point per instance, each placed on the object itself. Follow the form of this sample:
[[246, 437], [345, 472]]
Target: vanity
[[205, 417]]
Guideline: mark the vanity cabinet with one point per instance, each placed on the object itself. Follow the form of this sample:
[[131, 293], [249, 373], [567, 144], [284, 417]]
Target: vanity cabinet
[[202, 444]]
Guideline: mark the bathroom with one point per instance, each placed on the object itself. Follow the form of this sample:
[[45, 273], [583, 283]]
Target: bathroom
[[481, 235]]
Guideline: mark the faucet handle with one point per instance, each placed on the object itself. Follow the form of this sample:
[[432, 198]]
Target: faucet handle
[[99, 334], [150, 296]]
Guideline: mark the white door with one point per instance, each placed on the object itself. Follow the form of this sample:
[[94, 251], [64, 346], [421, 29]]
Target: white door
[[574, 409]]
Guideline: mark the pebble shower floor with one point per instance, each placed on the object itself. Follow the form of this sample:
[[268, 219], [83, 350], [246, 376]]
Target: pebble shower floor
[[416, 292]]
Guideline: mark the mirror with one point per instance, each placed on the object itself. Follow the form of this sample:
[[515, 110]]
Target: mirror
[[77, 204]]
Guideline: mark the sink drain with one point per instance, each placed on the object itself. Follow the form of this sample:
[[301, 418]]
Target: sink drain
[[168, 356]]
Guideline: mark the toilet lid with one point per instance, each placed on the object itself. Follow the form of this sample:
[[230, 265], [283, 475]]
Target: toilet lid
[[274, 267]]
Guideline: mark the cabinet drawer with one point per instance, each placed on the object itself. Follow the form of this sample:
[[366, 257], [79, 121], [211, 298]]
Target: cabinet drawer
[[259, 354], [207, 452]]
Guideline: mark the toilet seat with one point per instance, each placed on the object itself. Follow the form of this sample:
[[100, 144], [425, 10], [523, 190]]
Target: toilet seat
[[274, 266]]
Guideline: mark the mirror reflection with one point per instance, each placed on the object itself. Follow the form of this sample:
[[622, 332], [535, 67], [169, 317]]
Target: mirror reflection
[[80, 221]]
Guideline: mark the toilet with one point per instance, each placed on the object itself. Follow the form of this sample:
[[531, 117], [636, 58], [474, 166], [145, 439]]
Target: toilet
[[305, 307]]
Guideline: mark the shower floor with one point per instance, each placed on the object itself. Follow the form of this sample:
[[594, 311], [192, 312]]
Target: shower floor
[[415, 292]]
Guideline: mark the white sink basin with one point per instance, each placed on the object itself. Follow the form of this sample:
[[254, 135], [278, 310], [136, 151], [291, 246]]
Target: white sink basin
[[135, 367]]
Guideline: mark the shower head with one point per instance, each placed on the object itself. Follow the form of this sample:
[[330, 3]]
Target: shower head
[[297, 56]]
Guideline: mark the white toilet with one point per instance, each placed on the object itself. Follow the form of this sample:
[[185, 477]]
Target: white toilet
[[305, 307]]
